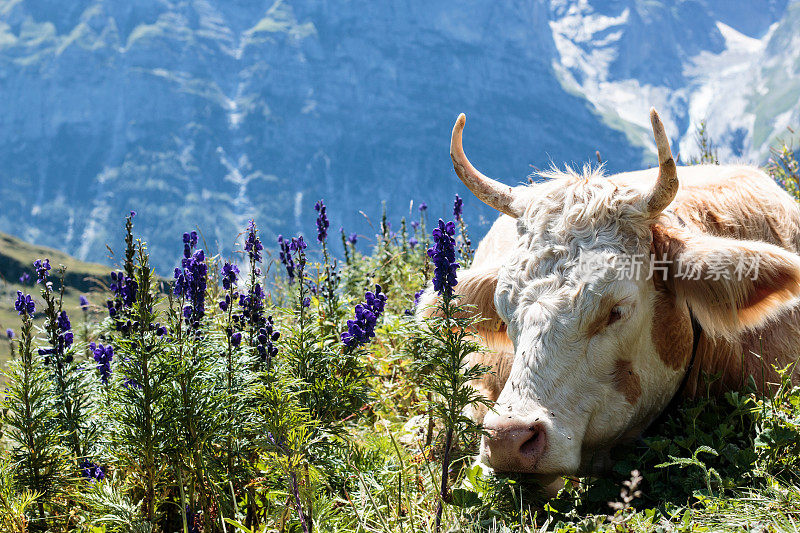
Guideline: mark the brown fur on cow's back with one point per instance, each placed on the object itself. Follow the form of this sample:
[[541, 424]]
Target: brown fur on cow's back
[[735, 201]]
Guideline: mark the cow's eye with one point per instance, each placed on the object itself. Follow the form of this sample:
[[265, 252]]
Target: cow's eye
[[615, 314]]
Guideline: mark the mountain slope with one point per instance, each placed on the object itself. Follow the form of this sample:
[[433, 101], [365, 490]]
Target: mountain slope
[[209, 112]]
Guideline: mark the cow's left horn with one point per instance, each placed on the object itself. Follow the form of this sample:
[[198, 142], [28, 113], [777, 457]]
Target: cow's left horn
[[666, 186], [491, 192]]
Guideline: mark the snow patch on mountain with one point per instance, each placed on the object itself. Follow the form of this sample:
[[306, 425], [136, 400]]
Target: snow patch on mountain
[[719, 86]]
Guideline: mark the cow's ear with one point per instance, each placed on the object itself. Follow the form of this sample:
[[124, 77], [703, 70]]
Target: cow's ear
[[730, 285], [475, 291]]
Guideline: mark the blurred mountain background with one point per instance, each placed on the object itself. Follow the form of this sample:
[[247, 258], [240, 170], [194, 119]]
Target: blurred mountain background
[[206, 113]]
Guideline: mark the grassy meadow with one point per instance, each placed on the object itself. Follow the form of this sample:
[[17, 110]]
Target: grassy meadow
[[251, 394]]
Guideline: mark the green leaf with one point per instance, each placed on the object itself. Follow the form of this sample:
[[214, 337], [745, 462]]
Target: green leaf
[[465, 498]]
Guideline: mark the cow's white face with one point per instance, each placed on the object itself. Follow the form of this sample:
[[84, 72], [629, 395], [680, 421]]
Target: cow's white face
[[586, 370]]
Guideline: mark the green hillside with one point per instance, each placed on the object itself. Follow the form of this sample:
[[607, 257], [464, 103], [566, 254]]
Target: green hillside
[[17, 257]]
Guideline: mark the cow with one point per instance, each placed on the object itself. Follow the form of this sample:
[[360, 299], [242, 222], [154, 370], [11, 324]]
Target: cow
[[585, 350]]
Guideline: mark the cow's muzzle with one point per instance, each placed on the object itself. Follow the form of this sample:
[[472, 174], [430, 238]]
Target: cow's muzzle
[[513, 445]]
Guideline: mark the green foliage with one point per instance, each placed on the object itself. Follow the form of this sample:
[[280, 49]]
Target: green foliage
[[446, 376], [14, 503], [67, 378], [140, 426], [784, 167], [31, 425], [708, 152]]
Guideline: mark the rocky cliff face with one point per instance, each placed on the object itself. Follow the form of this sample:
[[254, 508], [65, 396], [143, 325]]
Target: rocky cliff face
[[210, 112]]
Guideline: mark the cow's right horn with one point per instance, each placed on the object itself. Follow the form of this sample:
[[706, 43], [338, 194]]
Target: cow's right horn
[[666, 186], [491, 192]]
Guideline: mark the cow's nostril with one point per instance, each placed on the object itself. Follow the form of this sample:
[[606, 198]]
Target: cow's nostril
[[534, 445]]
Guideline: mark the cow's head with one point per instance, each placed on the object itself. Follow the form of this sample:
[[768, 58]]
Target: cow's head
[[599, 348]]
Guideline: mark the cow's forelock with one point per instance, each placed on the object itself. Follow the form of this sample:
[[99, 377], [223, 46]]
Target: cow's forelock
[[569, 215]]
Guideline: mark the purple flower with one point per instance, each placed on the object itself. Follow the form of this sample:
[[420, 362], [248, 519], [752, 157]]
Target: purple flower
[[103, 355], [362, 328], [84, 303], [42, 268], [64, 339], [189, 242], [414, 224], [288, 251], [306, 302], [313, 287], [24, 278], [443, 256], [413, 242], [423, 207], [92, 471], [298, 244], [458, 207], [230, 274], [266, 338], [322, 221], [286, 257], [236, 339], [10, 333], [353, 239], [190, 281], [124, 289], [24, 304], [252, 305], [63, 322], [253, 245]]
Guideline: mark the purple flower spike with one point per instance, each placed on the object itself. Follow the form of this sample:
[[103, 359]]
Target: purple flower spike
[[362, 328], [458, 207], [42, 268], [230, 274], [253, 245], [236, 339], [92, 471], [190, 281], [287, 254], [443, 256], [103, 356], [286, 257], [322, 221], [24, 304]]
